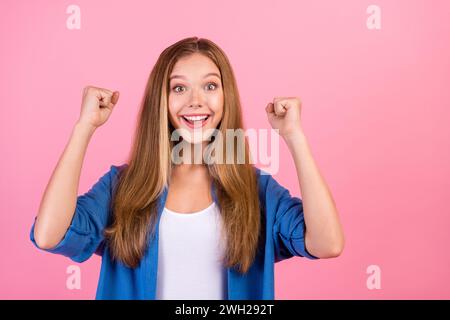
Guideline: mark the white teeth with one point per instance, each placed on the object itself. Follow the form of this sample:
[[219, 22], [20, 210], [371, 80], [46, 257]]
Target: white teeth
[[195, 118]]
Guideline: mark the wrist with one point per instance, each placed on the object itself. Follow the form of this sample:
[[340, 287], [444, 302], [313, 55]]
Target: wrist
[[84, 128], [294, 137]]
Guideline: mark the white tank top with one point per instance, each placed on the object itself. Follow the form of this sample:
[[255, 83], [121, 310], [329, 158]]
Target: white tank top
[[189, 256]]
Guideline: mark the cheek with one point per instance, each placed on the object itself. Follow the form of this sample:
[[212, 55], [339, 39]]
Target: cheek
[[173, 120], [174, 107], [217, 106]]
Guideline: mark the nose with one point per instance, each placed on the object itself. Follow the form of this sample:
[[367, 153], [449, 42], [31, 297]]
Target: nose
[[196, 99]]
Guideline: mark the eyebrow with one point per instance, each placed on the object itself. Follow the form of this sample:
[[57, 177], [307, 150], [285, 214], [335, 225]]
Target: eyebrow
[[206, 75]]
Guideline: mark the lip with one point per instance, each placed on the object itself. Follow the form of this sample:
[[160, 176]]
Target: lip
[[195, 114], [197, 125]]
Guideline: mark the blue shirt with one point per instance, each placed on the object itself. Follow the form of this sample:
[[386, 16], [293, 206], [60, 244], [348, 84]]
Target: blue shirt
[[283, 236]]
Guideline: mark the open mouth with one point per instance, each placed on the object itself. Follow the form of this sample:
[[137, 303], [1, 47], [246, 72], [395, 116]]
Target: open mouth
[[195, 121]]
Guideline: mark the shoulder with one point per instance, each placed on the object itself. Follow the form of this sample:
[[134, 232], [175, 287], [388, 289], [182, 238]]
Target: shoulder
[[268, 185], [266, 180], [119, 167], [111, 177], [116, 169]]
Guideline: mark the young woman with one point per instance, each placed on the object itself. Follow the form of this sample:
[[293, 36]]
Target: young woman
[[189, 229]]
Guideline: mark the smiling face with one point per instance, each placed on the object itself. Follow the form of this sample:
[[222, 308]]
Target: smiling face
[[195, 97]]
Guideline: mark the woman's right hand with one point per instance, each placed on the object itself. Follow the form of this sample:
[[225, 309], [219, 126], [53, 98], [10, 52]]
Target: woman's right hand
[[97, 105]]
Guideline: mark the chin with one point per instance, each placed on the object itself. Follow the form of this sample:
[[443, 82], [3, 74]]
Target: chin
[[197, 137]]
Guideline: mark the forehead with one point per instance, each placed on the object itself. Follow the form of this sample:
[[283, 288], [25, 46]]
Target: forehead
[[194, 66]]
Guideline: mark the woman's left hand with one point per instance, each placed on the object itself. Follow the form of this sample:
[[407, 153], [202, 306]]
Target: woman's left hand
[[284, 114]]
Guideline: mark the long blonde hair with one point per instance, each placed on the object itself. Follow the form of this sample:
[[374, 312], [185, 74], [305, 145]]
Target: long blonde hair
[[149, 168]]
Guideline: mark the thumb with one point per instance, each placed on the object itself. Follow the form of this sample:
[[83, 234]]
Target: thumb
[[115, 97], [270, 108]]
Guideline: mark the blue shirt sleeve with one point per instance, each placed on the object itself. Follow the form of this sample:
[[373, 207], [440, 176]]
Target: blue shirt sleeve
[[85, 233], [289, 224]]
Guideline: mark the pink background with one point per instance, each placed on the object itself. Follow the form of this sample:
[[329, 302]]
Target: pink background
[[375, 110]]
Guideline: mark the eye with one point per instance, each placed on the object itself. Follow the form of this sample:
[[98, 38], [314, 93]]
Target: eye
[[208, 86], [175, 88], [212, 83]]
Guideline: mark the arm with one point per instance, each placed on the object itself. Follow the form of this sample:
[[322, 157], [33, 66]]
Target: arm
[[58, 203], [59, 200], [324, 237]]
